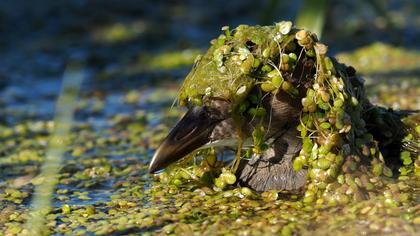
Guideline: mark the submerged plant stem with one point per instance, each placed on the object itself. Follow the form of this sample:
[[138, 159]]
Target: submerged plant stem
[[63, 121], [312, 16]]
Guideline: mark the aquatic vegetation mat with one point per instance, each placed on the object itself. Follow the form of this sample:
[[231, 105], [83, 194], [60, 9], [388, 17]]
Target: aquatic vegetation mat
[[104, 189]]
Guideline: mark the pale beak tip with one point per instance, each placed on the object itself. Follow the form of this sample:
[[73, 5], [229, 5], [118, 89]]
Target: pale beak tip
[[153, 166]]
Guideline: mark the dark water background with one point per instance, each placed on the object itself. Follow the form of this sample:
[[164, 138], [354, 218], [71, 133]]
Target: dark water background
[[38, 39]]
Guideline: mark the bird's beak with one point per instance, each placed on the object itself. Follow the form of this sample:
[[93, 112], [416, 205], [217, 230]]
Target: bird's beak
[[190, 133]]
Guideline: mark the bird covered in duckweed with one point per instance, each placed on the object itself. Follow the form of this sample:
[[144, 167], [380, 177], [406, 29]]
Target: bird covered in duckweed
[[292, 118]]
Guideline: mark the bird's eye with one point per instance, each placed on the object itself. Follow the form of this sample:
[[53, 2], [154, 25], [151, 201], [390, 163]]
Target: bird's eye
[[189, 104], [194, 102]]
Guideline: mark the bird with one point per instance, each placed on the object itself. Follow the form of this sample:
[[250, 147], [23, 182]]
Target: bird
[[214, 121]]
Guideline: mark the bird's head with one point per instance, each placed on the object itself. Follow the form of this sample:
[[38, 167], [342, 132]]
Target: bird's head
[[250, 76], [235, 83]]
